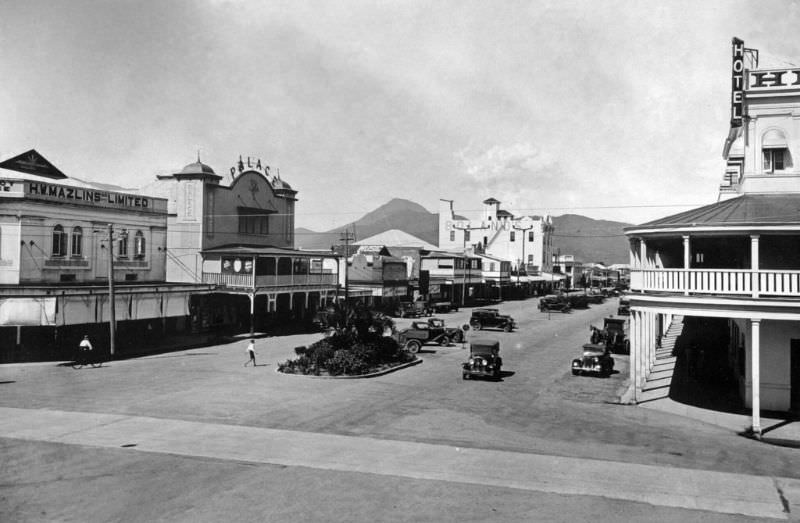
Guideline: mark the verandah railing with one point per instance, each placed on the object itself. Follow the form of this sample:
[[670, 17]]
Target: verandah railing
[[717, 281]]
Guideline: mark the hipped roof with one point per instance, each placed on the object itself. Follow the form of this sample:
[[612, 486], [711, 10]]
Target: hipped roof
[[749, 210]]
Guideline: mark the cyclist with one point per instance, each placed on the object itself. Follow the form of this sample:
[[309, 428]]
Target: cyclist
[[85, 350]]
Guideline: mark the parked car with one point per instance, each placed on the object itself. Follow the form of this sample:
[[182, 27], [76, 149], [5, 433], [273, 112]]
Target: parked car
[[442, 306], [595, 296], [484, 360], [595, 360], [613, 335], [431, 331], [552, 302], [578, 300], [624, 308], [482, 318], [412, 309]]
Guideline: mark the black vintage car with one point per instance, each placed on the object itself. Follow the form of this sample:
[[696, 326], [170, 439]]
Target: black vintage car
[[484, 360], [482, 318], [613, 335], [552, 302], [596, 359], [431, 331], [624, 308]]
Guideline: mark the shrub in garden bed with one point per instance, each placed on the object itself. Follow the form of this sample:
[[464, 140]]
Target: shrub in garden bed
[[347, 354]]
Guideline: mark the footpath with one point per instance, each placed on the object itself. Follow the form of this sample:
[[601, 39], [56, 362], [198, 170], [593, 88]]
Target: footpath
[[720, 492]]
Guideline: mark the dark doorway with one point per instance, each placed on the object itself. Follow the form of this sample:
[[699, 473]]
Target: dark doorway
[[795, 375]]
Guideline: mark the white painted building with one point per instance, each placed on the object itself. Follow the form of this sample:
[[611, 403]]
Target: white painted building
[[737, 260], [524, 241]]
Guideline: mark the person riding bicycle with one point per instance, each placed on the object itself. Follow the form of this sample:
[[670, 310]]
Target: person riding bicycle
[[85, 349]]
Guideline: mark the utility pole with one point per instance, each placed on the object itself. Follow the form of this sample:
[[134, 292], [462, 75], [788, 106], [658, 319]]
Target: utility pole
[[346, 237], [465, 228], [524, 226], [111, 305]]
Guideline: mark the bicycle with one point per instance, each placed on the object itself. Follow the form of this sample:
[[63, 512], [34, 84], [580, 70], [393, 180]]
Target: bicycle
[[84, 358]]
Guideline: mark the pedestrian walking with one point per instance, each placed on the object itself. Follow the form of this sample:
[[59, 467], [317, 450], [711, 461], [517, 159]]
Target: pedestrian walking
[[251, 352]]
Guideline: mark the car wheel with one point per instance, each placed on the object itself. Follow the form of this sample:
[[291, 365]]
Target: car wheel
[[575, 372], [445, 341], [476, 325], [507, 327], [465, 376], [413, 346]]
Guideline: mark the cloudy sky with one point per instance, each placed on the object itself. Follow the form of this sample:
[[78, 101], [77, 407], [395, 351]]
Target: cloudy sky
[[610, 109]]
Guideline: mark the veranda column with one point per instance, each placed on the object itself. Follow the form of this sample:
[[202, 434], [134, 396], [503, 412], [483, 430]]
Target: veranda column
[[754, 264], [650, 344], [642, 356], [252, 297], [643, 260], [633, 368], [686, 260], [755, 380]]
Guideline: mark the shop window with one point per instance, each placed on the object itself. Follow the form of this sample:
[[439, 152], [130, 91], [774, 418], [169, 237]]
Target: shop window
[[77, 242], [59, 241], [512, 236], [466, 236], [452, 236], [775, 160], [139, 245], [530, 236]]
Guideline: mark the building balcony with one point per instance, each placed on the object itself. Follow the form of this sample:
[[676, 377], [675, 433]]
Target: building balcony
[[245, 281], [733, 282]]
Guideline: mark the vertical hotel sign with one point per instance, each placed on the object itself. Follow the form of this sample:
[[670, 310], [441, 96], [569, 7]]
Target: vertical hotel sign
[[737, 82]]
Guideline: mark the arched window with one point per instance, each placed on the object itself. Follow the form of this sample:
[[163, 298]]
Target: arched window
[[59, 241], [775, 151], [77, 242], [138, 245], [123, 244]]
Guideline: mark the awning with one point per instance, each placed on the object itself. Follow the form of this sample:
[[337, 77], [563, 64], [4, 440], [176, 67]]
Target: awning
[[774, 139]]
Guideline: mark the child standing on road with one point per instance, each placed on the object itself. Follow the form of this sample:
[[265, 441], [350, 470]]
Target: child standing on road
[[251, 351]]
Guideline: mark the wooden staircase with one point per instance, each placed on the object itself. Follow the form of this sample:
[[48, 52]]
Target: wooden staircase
[[659, 379]]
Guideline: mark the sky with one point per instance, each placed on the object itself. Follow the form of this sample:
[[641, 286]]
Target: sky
[[611, 109]]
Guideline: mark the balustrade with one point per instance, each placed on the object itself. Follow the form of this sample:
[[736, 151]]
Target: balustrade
[[717, 281], [246, 280]]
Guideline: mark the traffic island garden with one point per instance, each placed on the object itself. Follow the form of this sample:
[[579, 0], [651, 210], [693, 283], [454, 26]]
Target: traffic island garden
[[348, 354]]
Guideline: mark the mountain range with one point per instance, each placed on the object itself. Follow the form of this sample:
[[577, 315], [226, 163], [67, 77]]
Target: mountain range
[[589, 240]]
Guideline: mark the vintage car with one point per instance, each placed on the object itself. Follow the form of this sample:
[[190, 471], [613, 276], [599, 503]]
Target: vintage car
[[613, 335], [577, 300], [553, 302], [595, 296], [482, 318], [484, 360], [595, 360], [624, 308], [412, 309], [442, 306], [431, 331]]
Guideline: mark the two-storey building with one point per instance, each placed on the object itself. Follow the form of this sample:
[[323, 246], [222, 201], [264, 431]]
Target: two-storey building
[[237, 233], [62, 241], [736, 261], [525, 241]]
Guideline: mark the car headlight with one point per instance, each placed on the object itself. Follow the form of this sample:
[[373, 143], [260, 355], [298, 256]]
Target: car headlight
[[471, 361]]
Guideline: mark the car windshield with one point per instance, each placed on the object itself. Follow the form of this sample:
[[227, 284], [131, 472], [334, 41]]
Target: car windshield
[[437, 323], [484, 347]]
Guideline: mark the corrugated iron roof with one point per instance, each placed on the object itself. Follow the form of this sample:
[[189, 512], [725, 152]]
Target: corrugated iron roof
[[746, 210]]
